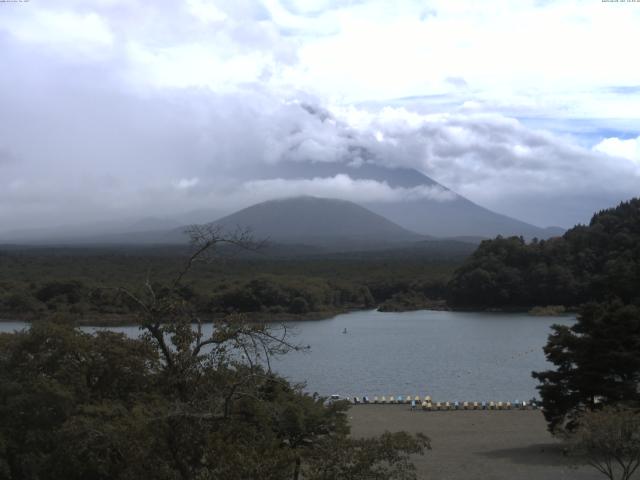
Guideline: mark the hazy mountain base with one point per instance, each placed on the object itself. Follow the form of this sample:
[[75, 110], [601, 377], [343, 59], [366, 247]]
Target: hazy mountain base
[[328, 223]]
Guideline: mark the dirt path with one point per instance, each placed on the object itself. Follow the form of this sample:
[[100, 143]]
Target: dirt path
[[487, 445]]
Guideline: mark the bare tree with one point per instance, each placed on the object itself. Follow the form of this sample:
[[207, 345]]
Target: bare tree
[[176, 328]]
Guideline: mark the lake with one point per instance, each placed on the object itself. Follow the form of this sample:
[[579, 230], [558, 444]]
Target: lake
[[448, 355]]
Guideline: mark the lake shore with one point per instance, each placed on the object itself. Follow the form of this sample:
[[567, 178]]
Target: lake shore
[[448, 355], [491, 445], [128, 320]]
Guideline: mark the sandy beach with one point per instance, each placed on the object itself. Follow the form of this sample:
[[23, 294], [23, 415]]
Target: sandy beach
[[488, 445]]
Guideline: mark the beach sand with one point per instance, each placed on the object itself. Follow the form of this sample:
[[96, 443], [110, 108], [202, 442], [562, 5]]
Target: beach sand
[[487, 445]]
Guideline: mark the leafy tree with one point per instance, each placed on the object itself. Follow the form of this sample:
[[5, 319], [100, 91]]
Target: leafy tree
[[597, 362], [22, 302], [299, 305], [597, 262], [175, 403], [383, 458], [71, 292], [610, 439], [54, 380]]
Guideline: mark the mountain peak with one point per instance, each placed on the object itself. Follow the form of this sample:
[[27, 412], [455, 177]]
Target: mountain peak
[[317, 220]]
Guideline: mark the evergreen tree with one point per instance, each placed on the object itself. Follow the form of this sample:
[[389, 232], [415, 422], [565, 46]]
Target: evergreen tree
[[597, 363]]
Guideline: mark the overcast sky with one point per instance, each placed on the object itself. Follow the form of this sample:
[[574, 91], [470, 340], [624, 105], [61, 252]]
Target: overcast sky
[[115, 108]]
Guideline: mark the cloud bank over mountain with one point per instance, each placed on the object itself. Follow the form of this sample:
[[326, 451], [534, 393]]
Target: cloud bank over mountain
[[129, 108]]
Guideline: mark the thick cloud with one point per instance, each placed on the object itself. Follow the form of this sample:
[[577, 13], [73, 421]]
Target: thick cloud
[[617, 147], [341, 186], [490, 158], [134, 108]]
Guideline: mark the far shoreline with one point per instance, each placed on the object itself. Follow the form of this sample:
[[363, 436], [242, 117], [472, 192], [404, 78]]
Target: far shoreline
[[266, 317]]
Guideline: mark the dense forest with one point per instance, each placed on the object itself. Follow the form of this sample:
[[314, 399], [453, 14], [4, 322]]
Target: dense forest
[[592, 262], [83, 283], [174, 403]]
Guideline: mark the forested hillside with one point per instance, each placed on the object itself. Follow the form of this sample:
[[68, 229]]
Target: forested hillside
[[588, 263]]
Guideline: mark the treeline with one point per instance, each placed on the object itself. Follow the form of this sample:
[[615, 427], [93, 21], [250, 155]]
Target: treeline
[[266, 294], [596, 262], [85, 284]]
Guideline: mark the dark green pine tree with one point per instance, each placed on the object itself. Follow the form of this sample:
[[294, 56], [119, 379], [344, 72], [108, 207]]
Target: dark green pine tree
[[597, 363]]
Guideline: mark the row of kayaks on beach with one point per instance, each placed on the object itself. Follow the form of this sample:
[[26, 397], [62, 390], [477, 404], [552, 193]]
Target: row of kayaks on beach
[[426, 403]]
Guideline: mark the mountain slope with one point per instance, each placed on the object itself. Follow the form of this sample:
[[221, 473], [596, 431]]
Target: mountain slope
[[313, 220], [89, 232], [422, 206], [444, 214], [458, 217]]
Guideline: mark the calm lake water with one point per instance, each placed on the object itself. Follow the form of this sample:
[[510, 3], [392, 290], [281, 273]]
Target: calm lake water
[[448, 355]]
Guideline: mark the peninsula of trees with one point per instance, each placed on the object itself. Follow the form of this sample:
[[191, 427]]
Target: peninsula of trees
[[594, 262]]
